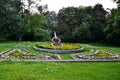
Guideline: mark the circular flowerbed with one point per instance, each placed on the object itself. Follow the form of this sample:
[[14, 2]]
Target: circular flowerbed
[[66, 48]]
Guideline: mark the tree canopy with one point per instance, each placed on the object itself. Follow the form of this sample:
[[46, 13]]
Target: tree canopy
[[73, 24]]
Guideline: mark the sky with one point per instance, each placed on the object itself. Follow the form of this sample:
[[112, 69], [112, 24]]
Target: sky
[[55, 5]]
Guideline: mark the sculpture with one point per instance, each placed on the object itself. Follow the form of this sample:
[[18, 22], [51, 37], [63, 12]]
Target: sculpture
[[56, 40]]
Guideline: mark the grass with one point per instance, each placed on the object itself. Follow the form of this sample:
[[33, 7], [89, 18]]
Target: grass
[[58, 71], [7, 45], [10, 70]]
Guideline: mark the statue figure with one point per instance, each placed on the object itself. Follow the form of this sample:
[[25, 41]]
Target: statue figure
[[55, 40]]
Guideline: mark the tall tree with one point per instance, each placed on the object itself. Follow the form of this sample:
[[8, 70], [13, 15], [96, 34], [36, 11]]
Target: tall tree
[[118, 3], [51, 18], [84, 18], [113, 26], [35, 28], [10, 19], [98, 22], [67, 20], [72, 20]]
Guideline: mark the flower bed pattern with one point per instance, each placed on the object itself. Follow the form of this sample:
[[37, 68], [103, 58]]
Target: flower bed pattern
[[22, 54], [48, 57], [95, 54]]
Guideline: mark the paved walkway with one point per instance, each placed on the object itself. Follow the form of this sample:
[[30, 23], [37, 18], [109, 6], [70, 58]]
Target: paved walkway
[[101, 60]]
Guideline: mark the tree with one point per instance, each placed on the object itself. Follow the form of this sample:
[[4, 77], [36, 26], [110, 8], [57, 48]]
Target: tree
[[98, 23], [118, 3], [43, 9], [67, 20], [51, 18], [82, 34], [112, 30], [10, 20], [35, 28]]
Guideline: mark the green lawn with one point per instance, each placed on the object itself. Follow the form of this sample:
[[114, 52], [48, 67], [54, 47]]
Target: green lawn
[[58, 71]]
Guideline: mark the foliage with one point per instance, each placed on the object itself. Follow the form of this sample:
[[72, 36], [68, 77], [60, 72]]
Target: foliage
[[35, 29], [16, 20], [118, 3], [82, 34], [73, 24], [67, 20], [65, 46], [73, 21], [51, 18], [16, 54], [98, 23], [11, 22], [102, 54], [113, 28]]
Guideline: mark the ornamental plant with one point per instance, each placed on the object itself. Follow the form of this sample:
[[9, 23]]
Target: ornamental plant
[[66, 46]]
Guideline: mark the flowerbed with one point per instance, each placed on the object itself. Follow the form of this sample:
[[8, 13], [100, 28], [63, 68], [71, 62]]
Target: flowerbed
[[64, 47], [49, 57], [22, 54], [96, 54]]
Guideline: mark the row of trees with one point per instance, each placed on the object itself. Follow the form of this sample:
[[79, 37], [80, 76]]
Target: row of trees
[[83, 23], [73, 24], [89, 24], [19, 22]]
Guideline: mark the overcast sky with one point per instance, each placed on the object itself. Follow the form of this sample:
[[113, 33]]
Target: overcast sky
[[55, 5]]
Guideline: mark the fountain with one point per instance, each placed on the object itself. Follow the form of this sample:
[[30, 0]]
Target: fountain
[[58, 47]]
